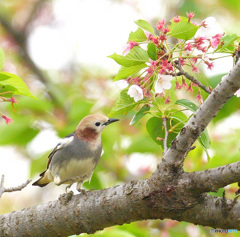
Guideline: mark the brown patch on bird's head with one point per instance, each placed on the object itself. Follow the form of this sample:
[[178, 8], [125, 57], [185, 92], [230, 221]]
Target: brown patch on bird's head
[[87, 134]]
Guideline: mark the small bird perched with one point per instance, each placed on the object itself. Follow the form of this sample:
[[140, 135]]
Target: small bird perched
[[76, 156]]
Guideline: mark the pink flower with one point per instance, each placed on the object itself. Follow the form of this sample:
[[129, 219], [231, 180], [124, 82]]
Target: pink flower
[[129, 46], [210, 65], [190, 87], [199, 97], [13, 101], [167, 101], [7, 120], [160, 24], [194, 60], [146, 93], [215, 40], [178, 86], [135, 92], [176, 19], [184, 84], [188, 47], [195, 69], [182, 61], [165, 30], [163, 37], [149, 35], [190, 15], [136, 80], [156, 40]]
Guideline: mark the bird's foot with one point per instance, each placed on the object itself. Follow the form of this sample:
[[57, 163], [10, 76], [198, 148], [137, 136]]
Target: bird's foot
[[65, 197], [81, 190]]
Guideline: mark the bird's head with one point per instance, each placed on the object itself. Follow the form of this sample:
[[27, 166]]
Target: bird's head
[[92, 126]]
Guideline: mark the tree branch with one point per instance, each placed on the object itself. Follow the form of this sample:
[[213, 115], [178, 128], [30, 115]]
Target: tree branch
[[12, 189], [213, 179], [190, 77]]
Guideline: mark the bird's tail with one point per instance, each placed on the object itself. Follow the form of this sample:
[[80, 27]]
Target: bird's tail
[[43, 181]]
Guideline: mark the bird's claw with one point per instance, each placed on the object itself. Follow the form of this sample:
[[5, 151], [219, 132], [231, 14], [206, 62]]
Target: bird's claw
[[81, 190]]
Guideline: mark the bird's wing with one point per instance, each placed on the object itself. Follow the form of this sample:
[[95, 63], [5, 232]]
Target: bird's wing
[[66, 140]]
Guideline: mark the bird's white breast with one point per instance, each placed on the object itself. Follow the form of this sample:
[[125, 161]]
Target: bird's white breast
[[74, 168]]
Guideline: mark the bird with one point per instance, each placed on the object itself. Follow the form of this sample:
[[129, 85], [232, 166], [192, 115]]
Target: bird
[[75, 157]]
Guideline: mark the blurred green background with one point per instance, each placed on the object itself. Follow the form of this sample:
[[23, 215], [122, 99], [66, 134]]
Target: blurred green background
[[60, 50]]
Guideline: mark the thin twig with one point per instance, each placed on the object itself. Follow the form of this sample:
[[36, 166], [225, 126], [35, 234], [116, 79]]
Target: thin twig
[[164, 119], [190, 77], [12, 189]]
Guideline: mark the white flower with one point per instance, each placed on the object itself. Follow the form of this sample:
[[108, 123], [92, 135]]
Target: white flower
[[211, 29], [122, 84], [135, 92], [237, 93], [163, 83]]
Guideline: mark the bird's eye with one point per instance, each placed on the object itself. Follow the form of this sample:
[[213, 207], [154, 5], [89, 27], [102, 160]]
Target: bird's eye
[[97, 124]]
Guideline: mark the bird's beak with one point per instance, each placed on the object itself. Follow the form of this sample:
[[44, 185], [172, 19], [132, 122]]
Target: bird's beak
[[111, 120]]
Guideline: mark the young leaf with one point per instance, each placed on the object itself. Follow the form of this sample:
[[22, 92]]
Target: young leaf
[[14, 82], [141, 113], [2, 58], [145, 25], [227, 43], [124, 104], [187, 104], [136, 56], [137, 36], [183, 30], [178, 116], [156, 130], [205, 141], [152, 51], [125, 72]]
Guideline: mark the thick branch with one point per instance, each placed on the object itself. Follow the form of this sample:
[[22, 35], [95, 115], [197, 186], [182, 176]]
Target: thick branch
[[213, 179], [202, 117], [118, 205], [209, 208]]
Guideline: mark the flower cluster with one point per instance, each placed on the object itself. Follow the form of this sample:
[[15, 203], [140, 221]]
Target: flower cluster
[[166, 66]]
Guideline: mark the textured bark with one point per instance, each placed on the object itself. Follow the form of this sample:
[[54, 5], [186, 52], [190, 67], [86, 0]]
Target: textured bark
[[168, 193]]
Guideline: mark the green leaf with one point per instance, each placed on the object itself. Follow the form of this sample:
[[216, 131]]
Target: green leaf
[[15, 83], [125, 72], [156, 130], [178, 116], [187, 104], [137, 36], [152, 51], [227, 43], [124, 104], [141, 113], [145, 25], [205, 141], [2, 59], [136, 56], [183, 30]]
